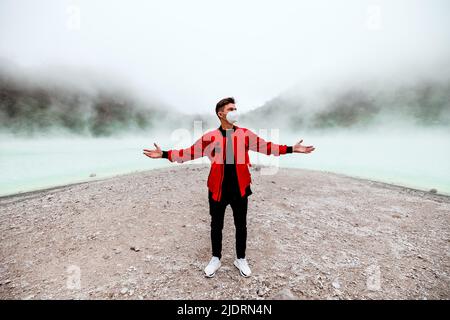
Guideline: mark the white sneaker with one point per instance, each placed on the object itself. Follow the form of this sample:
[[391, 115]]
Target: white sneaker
[[243, 267], [212, 267]]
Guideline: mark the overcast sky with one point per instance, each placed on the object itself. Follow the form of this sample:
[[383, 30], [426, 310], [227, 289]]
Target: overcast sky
[[193, 53]]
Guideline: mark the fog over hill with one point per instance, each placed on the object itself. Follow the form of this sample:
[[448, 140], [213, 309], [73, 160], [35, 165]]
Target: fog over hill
[[422, 102], [65, 101], [87, 103]]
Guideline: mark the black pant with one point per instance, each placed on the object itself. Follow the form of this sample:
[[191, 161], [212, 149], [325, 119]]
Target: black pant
[[217, 212]]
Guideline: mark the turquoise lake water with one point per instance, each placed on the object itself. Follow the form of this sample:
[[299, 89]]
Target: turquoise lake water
[[414, 158]]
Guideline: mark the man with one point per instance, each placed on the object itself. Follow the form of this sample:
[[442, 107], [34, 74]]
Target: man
[[229, 178]]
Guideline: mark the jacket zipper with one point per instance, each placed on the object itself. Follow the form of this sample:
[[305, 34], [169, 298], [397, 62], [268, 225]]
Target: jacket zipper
[[223, 169], [237, 171]]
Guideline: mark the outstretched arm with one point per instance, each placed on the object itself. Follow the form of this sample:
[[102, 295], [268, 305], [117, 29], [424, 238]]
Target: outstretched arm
[[197, 150], [258, 144]]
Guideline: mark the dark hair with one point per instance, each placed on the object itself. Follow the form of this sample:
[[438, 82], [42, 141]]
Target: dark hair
[[222, 103]]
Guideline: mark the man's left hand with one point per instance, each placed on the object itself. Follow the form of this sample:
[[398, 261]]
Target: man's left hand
[[302, 149]]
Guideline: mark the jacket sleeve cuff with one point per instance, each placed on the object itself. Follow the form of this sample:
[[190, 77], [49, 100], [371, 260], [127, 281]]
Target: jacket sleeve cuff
[[289, 149], [165, 154]]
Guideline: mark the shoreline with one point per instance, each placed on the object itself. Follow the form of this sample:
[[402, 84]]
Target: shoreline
[[37, 192]]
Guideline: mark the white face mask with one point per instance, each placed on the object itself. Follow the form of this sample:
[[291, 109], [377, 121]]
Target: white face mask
[[232, 116]]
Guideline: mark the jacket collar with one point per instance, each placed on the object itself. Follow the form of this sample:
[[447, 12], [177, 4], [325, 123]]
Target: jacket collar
[[224, 132]]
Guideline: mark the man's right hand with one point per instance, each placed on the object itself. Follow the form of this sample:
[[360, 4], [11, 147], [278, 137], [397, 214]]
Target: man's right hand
[[153, 153]]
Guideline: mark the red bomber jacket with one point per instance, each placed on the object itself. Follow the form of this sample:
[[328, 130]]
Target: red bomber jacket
[[213, 145]]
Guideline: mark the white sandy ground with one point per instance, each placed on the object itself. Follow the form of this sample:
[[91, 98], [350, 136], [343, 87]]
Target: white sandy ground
[[311, 235]]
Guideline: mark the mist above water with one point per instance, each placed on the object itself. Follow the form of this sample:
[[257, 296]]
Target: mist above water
[[84, 92]]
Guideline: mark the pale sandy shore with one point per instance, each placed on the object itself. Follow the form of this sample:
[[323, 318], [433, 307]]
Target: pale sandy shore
[[311, 235]]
